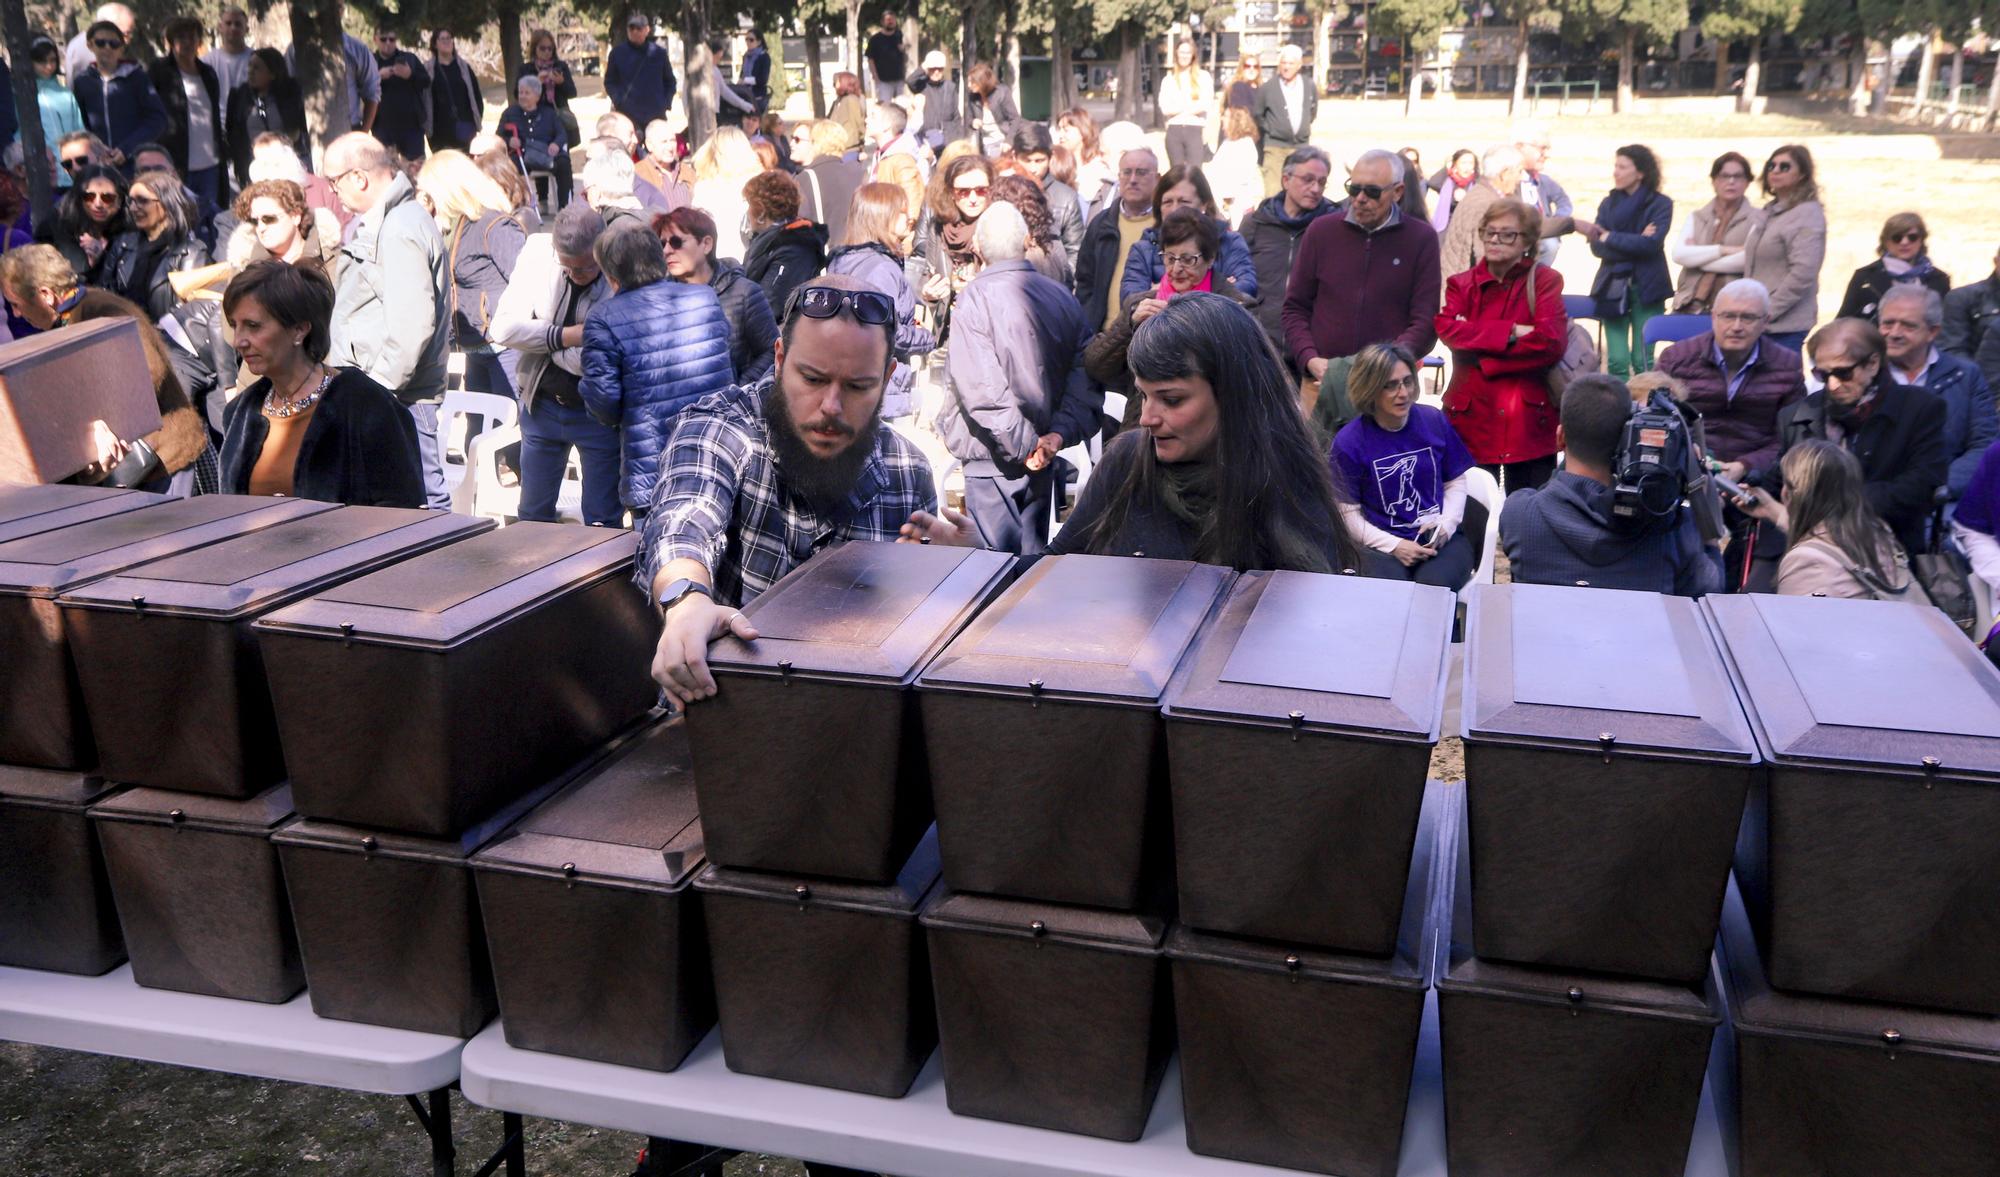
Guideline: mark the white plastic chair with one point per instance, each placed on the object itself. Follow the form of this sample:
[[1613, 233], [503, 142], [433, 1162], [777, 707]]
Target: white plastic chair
[[1483, 489], [1982, 606], [474, 478]]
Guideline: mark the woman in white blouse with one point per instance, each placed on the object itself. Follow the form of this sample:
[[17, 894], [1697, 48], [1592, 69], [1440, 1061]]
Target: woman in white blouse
[[1709, 246], [1187, 102]]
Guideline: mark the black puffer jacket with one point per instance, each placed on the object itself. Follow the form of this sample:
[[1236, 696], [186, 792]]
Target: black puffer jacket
[[752, 328], [783, 256], [1273, 237]]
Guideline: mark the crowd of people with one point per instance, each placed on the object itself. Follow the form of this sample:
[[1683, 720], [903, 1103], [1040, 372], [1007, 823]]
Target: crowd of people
[[731, 339]]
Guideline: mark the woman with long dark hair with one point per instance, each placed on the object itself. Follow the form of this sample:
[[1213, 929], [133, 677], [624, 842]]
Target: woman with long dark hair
[[89, 219], [138, 265], [959, 193], [1630, 235], [267, 101], [1836, 545], [1221, 468]]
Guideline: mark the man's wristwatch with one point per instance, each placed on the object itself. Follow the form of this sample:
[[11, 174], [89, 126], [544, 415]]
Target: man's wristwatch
[[675, 591]]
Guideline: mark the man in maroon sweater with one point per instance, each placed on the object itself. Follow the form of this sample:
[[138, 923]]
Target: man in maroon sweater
[[1366, 274]]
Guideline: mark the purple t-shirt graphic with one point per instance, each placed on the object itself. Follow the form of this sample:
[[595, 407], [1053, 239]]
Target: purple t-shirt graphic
[[1398, 478]]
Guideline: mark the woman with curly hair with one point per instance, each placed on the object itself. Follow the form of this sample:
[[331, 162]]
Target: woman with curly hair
[[1045, 249]]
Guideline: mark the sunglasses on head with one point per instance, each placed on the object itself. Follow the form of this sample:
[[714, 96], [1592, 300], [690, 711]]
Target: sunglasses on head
[[1842, 374], [1371, 191], [824, 302]]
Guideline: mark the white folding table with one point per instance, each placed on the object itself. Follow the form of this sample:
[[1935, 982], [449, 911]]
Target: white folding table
[[916, 1136], [112, 1015]]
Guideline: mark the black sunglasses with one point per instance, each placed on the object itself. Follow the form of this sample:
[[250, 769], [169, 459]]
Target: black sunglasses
[[1845, 374], [109, 44], [824, 302], [75, 162], [1371, 191]]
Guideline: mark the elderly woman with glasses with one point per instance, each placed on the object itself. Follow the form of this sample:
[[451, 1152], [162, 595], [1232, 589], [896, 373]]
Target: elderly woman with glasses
[[1504, 322], [1901, 259], [1406, 467]]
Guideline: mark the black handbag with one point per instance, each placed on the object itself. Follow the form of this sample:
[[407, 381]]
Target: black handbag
[[1947, 578]]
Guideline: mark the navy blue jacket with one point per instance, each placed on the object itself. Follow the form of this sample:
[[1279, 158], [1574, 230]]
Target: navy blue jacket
[[1970, 420], [648, 353], [1562, 534], [1629, 253], [360, 447], [639, 81], [126, 111], [1145, 268], [752, 327]]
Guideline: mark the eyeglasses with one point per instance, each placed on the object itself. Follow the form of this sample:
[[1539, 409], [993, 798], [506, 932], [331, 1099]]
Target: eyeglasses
[[1781, 165], [1842, 374], [1501, 236], [674, 241], [336, 179], [1738, 318], [979, 190], [138, 201], [1189, 260], [75, 162], [1371, 191], [1906, 238], [824, 302], [1395, 383], [109, 44], [1732, 178], [100, 198], [1136, 173]]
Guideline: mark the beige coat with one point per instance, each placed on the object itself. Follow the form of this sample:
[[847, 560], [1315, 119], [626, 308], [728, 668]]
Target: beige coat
[[1815, 567], [1786, 248], [1698, 252]]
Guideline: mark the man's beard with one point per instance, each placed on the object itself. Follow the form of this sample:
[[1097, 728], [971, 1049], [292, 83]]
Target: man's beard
[[825, 483]]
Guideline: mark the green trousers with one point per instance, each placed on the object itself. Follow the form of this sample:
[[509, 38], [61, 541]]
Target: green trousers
[[1625, 350]]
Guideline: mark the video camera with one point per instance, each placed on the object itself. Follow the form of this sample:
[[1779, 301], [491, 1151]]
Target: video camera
[[1661, 461]]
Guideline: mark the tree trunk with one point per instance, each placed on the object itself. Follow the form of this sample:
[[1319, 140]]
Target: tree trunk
[[1885, 79], [854, 39], [1517, 103], [1413, 83], [1062, 75], [1127, 108], [1857, 78], [814, 87], [1927, 69], [1722, 66], [34, 140], [968, 56], [912, 48], [1957, 79], [508, 13], [1628, 41], [1752, 72], [698, 99], [1992, 102], [321, 68]]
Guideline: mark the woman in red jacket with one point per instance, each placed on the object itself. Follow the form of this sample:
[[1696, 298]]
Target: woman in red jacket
[[1503, 320]]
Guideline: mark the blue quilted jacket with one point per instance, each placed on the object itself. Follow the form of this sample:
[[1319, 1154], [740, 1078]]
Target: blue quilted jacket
[[647, 354], [1144, 267]]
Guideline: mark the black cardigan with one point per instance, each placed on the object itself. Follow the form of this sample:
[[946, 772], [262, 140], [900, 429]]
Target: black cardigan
[[360, 447], [285, 95]]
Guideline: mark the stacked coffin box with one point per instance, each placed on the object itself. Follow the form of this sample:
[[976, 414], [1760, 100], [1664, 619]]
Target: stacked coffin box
[[55, 901], [1299, 731], [1607, 762], [816, 801], [1048, 761], [422, 708], [174, 683], [1863, 959]]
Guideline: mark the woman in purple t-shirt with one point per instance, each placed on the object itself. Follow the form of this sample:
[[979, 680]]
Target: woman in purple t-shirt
[[1406, 467]]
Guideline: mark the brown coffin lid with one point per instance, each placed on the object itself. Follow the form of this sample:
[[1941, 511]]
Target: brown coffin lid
[[628, 822], [1862, 683], [1108, 628], [1459, 971], [1346, 653], [900, 899], [874, 611], [195, 811], [445, 597], [1755, 1006], [1552, 665], [1139, 933], [253, 573], [46, 788], [49, 563], [32, 510]]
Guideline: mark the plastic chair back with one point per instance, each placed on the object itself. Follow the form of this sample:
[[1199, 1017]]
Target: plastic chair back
[[1672, 329], [455, 419], [1483, 489]]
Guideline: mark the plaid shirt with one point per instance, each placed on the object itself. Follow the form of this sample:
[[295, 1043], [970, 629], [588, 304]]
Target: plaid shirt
[[722, 500]]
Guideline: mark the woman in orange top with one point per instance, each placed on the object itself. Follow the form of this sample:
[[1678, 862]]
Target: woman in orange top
[[306, 429]]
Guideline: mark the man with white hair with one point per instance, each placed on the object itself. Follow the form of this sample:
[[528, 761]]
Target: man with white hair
[[389, 306], [1911, 317], [607, 182], [77, 55], [1018, 389], [1539, 190], [1287, 104], [657, 183], [1111, 234]]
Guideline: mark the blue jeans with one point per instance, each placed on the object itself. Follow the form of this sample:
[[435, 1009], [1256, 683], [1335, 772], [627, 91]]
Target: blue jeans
[[547, 433], [436, 497]]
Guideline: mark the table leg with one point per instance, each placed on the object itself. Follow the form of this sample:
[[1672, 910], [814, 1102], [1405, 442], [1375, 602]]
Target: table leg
[[437, 1125], [678, 1158], [512, 1151]]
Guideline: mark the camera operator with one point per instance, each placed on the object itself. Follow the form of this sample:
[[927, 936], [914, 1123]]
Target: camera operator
[[1567, 532]]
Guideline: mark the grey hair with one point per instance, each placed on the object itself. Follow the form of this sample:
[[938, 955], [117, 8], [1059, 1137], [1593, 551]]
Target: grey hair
[[1305, 155], [1148, 152], [576, 230], [631, 255], [893, 117], [1933, 305], [527, 82], [358, 151], [1291, 51], [1747, 288], [1380, 155], [1500, 158], [1002, 237], [609, 175]]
